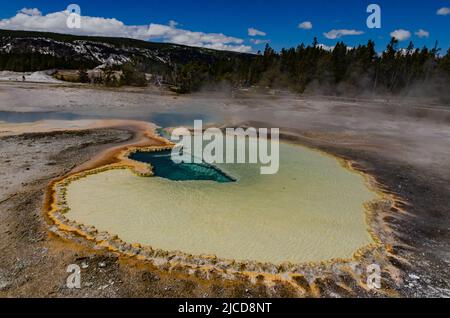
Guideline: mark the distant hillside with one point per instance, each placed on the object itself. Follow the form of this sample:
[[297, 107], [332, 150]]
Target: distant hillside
[[33, 51]]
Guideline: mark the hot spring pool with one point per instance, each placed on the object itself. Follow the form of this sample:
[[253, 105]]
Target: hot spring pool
[[311, 210]]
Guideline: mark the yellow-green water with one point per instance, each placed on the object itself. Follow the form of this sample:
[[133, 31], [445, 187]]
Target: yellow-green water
[[311, 210]]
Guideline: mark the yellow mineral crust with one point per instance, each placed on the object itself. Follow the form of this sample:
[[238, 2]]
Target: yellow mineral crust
[[56, 207]]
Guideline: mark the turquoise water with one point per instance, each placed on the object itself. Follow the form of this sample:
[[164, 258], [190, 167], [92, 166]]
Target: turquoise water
[[166, 119], [31, 117], [175, 119], [164, 167], [311, 210]]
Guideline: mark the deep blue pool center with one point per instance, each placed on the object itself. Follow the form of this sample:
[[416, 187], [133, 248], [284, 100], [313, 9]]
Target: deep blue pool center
[[164, 167]]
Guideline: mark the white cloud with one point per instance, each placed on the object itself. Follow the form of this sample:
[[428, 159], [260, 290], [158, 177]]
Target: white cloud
[[336, 34], [307, 25], [443, 11], [30, 11], [257, 41], [173, 23], [421, 33], [255, 32], [401, 34], [33, 20]]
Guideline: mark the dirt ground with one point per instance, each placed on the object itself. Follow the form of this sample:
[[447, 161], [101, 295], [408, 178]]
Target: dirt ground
[[404, 143]]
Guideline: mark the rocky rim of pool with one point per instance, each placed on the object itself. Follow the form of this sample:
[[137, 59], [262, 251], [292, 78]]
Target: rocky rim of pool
[[189, 263]]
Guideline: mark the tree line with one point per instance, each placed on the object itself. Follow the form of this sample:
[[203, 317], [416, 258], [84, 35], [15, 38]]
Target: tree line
[[340, 70], [302, 69]]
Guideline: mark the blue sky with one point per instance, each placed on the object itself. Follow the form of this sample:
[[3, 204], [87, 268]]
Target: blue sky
[[278, 19]]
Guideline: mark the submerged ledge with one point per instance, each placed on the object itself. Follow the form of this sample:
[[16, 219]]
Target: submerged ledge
[[207, 265]]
